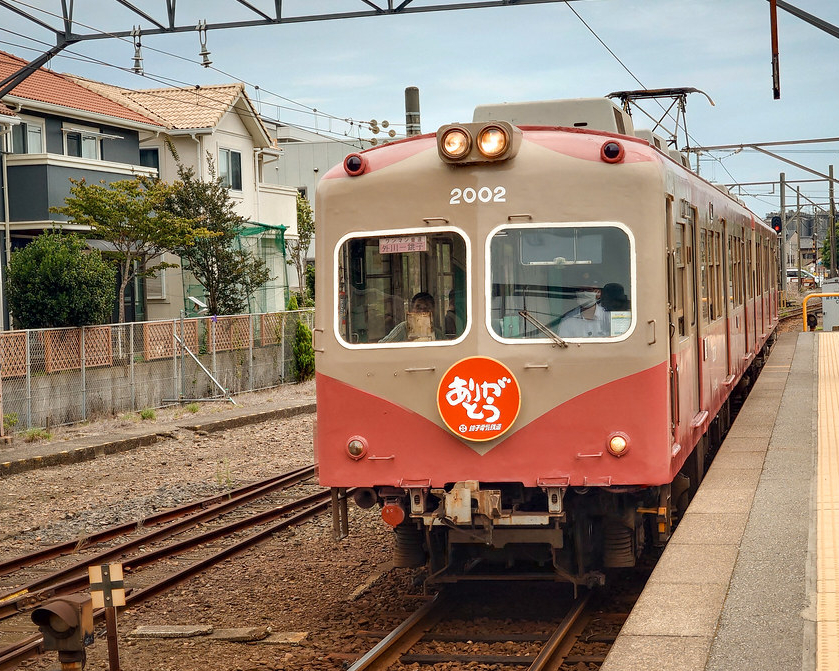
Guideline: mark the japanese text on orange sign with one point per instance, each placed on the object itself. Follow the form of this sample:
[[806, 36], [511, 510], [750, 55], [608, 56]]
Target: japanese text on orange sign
[[478, 398]]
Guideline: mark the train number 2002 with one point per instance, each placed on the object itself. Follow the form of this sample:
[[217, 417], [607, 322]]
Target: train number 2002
[[484, 195]]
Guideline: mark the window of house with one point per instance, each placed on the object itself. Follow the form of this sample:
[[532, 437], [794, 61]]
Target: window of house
[[28, 138], [150, 158], [81, 141], [402, 289], [573, 280], [230, 168]]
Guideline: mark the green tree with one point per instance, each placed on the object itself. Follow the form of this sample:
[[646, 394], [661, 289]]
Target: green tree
[[56, 281], [130, 215], [229, 276], [298, 248], [310, 280]]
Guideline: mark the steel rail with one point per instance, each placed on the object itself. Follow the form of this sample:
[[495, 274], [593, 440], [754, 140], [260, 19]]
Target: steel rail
[[12, 655], [388, 650], [69, 547], [70, 578], [556, 649]]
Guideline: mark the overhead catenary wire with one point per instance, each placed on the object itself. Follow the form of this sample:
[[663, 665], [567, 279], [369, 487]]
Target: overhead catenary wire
[[300, 107]]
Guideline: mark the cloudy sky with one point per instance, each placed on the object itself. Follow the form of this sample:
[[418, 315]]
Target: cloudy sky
[[359, 68]]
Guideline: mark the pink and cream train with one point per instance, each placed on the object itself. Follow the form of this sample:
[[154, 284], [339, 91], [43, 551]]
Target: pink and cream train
[[529, 331]]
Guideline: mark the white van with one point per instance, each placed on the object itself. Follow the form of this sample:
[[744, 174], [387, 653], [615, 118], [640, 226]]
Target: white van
[[808, 280]]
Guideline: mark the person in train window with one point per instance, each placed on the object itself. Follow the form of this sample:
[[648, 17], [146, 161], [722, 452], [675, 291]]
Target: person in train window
[[613, 298], [588, 320], [419, 322]]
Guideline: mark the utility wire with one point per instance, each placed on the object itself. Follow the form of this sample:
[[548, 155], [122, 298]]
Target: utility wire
[[303, 106]]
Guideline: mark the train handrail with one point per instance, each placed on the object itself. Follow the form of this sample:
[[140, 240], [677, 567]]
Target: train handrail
[[804, 305]]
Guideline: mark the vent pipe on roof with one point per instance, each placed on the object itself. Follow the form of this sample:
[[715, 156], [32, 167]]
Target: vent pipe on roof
[[412, 111]]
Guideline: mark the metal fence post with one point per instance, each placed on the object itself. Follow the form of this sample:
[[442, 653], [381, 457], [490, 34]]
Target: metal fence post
[[282, 345], [28, 383], [213, 341], [174, 363], [84, 376], [131, 365], [251, 333]]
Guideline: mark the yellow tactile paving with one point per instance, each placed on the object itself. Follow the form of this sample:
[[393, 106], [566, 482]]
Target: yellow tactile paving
[[827, 503]]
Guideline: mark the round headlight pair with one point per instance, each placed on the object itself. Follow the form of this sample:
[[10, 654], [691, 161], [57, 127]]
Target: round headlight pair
[[492, 142]]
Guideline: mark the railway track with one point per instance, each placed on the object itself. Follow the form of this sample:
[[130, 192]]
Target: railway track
[[143, 555], [456, 628]]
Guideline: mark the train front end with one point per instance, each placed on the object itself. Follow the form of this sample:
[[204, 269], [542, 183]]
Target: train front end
[[491, 346]]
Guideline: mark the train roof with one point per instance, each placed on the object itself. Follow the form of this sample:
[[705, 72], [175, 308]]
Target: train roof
[[589, 113]]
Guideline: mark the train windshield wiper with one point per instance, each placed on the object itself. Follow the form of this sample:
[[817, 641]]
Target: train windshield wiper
[[544, 329]]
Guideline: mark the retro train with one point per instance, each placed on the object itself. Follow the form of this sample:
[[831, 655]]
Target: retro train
[[530, 329]]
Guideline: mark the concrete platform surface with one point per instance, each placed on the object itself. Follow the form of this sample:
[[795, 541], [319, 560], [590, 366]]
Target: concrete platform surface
[[736, 588]]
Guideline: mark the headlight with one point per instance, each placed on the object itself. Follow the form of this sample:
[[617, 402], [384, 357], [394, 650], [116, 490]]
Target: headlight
[[456, 143], [493, 141]]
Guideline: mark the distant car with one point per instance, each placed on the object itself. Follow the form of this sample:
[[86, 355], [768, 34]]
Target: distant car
[[808, 280]]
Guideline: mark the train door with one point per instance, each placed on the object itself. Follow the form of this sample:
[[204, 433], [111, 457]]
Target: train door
[[684, 363], [726, 306], [748, 288]]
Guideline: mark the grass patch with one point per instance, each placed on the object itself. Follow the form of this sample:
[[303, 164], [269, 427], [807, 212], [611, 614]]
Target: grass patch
[[193, 407], [148, 413], [35, 435]]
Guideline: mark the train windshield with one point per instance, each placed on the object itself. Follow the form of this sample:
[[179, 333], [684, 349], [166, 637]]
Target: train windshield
[[402, 289], [573, 279]]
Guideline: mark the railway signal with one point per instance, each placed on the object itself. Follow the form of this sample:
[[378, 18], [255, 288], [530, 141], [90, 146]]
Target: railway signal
[[777, 225], [67, 626], [107, 590]]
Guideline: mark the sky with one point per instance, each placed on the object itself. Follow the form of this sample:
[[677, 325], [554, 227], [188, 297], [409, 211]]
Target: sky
[[357, 69]]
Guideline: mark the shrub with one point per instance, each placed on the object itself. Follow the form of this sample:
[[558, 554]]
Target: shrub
[[148, 413], [56, 281], [304, 354]]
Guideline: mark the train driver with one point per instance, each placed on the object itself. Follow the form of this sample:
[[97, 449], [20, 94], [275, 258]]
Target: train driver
[[419, 322], [588, 320]]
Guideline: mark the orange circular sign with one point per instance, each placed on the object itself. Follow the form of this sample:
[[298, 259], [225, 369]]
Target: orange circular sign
[[478, 398]]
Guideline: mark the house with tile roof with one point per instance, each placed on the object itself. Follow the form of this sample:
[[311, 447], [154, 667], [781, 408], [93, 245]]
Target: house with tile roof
[[216, 130], [56, 126], [52, 129]]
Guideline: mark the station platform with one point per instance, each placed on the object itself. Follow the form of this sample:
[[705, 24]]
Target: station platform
[[749, 579]]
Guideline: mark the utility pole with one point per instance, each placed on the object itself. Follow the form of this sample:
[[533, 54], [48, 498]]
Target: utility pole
[[782, 248], [832, 227], [798, 230]]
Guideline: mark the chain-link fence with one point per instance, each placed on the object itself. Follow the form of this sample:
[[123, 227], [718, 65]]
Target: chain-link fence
[[62, 376]]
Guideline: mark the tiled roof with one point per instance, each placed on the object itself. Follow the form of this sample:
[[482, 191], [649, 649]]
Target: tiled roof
[[46, 86], [177, 108], [5, 111]]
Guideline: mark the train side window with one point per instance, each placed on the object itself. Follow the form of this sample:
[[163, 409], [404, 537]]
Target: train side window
[[570, 279], [402, 289]]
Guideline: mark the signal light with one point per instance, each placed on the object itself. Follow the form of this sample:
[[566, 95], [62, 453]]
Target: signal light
[[777, 225], [66, 623]]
